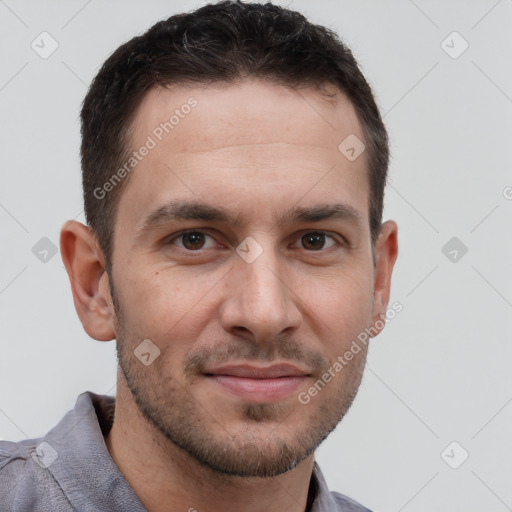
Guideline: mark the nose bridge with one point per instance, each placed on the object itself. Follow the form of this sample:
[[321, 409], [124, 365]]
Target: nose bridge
[[264, 289], [261, 301]]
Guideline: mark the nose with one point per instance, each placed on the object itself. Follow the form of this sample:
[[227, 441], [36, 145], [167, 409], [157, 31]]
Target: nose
[[260, 303]]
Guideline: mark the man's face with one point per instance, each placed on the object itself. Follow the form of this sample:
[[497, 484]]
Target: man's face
[[253, 167]]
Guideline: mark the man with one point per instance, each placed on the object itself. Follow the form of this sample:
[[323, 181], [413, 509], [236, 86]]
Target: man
[[234, 164]]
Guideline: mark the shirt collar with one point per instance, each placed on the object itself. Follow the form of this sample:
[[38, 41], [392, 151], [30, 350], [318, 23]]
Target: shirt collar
[[82, 456], [324, 500]]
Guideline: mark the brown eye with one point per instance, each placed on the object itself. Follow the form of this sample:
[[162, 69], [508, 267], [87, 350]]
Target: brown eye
[[316, 241], [313, 241], [193, 240]]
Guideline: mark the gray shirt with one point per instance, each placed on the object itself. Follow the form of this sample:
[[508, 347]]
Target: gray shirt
[[70, 469]]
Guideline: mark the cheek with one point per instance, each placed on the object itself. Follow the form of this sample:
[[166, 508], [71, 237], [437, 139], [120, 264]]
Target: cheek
[[342, 305], [163, 305]]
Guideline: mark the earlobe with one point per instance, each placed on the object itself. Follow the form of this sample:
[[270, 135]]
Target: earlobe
[[386, 252], [85, 266]]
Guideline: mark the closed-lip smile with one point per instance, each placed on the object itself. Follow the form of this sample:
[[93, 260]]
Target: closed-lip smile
[[258, 372], [258, 384]]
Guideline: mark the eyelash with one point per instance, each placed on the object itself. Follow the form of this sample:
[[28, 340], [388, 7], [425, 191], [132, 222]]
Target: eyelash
[[176, 236]]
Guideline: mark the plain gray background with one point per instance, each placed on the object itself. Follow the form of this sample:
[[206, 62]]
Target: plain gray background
[[438, 374]]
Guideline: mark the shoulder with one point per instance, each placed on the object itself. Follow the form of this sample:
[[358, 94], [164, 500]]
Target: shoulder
[[331, 501], [26, 482], [27, 468], [66, 469], [347, 504], [19, 474], [14, 456]]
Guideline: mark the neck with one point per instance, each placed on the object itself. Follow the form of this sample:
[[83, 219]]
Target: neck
[[165, 477]]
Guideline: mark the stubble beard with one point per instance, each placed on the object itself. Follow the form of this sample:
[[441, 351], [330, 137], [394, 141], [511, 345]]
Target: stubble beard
[[258, 446]]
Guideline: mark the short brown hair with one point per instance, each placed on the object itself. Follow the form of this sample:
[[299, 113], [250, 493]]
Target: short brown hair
[[221, 42]]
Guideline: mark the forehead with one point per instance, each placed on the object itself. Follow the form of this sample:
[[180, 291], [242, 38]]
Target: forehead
[[248, 112], [251, 139]]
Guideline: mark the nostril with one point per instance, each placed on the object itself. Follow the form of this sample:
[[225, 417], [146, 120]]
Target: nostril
[[241, 328]]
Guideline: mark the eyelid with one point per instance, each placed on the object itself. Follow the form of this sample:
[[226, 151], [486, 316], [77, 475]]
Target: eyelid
[[171, 238], [339, 239]]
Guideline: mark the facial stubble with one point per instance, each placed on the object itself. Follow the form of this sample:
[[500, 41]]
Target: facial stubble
[[267, 439]]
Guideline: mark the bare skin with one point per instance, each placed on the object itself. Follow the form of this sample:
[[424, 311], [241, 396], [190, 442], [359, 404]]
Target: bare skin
[[182, 438]]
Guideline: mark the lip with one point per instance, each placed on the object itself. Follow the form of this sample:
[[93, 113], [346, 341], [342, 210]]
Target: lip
[[258, 372], [258, 384]]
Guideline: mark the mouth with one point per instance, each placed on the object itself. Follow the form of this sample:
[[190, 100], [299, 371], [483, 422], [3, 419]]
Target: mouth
[[258, 384]]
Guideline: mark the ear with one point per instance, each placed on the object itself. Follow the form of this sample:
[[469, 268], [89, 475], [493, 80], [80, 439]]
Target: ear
[[85, 265], [386, 251]]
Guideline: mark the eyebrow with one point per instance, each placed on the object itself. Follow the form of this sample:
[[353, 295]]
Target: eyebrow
[[192, 210]]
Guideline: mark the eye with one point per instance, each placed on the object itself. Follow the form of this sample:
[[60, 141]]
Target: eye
[[193, 240], [317, 240]]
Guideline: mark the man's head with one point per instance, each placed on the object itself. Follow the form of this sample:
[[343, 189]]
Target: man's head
[[240, 254], [225, 42]]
